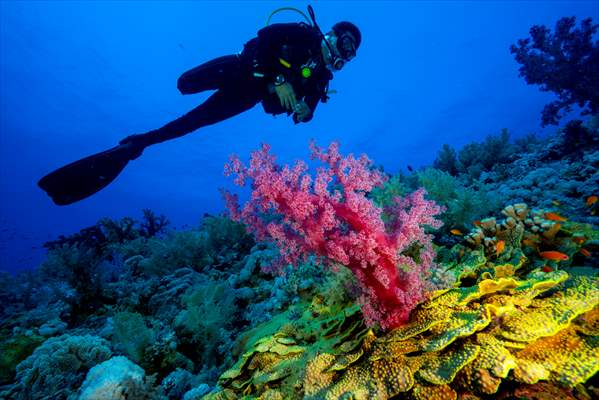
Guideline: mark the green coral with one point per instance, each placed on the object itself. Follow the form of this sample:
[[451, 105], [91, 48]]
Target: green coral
[[132, 335], [207, 317], [462, 204], [13, 350]]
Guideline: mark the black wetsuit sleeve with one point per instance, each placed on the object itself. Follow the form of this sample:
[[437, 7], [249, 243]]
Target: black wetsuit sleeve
[[280, 45]]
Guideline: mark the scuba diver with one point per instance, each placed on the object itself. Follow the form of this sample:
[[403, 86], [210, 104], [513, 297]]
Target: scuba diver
[[287, 68]]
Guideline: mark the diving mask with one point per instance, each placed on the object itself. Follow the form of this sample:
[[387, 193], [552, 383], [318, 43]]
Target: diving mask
[[340, 50]]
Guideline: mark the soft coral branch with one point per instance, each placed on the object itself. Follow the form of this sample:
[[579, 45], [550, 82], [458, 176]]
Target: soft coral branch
[[331, 216]]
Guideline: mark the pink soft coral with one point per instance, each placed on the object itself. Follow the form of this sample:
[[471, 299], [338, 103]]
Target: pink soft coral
[[331, 217]]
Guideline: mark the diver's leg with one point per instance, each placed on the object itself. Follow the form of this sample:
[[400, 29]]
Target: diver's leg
[[223, 104], [211, 75]]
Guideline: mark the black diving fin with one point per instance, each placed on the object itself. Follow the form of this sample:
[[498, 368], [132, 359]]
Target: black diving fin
[[80, 179]]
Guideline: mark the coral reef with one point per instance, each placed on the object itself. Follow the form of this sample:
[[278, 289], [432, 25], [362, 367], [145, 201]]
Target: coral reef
[[507, 309], [559, 173]]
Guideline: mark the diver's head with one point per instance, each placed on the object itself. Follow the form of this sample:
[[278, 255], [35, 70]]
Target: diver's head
[[340, 44]]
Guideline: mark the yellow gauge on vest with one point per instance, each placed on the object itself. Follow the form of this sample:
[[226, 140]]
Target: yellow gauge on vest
[[284, 63]]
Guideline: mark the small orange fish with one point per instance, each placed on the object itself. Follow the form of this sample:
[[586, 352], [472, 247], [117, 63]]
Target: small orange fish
[[578, 239], [591, 200], [585, 252], [456, 232], [477, 223], [554, 255], [546, 268], [551, 216], [499, 247], [529, 243]]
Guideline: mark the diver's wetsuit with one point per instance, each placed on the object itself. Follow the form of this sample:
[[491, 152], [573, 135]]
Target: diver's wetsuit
[[242, 80]]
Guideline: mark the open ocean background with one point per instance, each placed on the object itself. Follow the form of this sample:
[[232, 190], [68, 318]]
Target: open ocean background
[[77, 76]]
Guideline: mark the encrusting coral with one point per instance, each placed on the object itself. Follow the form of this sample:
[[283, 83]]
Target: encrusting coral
[[464, 340], [534, 238]]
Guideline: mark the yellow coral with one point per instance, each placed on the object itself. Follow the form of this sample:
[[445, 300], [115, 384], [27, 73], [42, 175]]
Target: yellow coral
[[493, 363], [441, 370], [378, 379], [433, 392], [548, 316], [588, 323], [566, 358], [461, 323], [485, 287], [479, 379], [460, 339], [317, 376]]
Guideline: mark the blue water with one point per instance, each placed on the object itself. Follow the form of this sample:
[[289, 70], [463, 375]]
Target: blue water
[[75, 77]]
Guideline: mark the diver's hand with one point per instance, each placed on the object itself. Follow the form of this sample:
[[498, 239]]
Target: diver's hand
[[286, 96], [302, 111]]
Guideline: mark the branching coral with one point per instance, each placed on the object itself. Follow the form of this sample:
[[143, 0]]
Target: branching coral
[[331, 217], [462, 204], [474, 158], [132, 334], [565, 62], [204, 325]]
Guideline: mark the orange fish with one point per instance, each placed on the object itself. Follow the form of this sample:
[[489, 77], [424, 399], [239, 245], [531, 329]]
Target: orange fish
[[546, 268], [529, 243], [585, 252], [551, 216], [554, 255], [476, 223], [499, 247], [578, 239], [591, 200], [456, 232]]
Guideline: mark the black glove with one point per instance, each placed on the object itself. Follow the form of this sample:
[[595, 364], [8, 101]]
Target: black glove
[[135, 144]]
